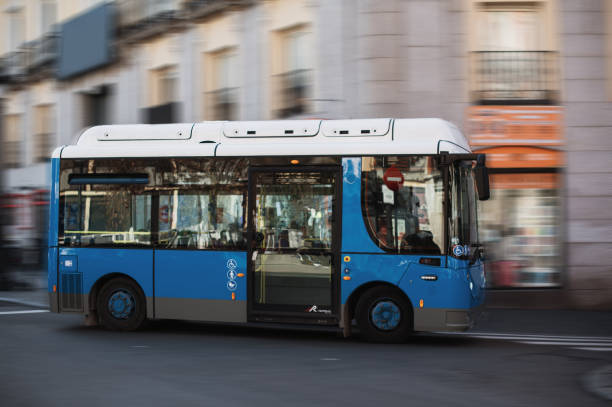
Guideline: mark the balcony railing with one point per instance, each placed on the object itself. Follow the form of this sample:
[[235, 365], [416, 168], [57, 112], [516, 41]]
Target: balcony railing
[[515, 77], [29, 59], [137, 11]]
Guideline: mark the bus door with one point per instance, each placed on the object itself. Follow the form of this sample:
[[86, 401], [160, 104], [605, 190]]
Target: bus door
[[293, 244]]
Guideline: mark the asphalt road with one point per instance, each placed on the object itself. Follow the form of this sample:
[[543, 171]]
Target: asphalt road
[[53, 360]]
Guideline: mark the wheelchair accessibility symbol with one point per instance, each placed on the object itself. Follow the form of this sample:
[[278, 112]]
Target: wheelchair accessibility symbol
[[231, 264]]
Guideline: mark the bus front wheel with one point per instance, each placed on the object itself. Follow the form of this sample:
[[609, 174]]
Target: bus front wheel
[[384, 315], [121, 305]]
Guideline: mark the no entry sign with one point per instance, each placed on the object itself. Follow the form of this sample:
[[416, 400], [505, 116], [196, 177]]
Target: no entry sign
[[393, 178]]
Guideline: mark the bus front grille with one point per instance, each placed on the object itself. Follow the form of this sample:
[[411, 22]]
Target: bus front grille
[[71, 298]]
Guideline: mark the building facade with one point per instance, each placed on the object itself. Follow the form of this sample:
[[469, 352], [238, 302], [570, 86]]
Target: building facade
[[529, 82]]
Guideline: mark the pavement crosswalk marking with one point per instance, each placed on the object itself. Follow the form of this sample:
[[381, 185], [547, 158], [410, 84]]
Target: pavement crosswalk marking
[[589, 343], [30, 311]]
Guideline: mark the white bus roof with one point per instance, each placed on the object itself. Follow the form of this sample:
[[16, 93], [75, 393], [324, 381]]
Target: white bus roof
[[270, 138]]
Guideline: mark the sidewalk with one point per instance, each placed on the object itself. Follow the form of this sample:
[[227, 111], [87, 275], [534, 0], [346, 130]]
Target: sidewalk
[[27, 288]]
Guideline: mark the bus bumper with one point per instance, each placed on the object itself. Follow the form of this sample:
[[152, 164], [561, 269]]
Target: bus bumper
[[53, 301], [445, 319]]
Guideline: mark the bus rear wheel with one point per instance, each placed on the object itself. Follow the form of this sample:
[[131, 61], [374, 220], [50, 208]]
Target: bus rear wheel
[[384, 315], [121, 305]]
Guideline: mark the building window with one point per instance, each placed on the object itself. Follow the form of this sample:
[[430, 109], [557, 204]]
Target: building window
[[163, 95], [96, 106], [48, 15], [43, 132], [165, 85], [294, 82], [15, 28], [221, 97], [12, 141], [512, 62]]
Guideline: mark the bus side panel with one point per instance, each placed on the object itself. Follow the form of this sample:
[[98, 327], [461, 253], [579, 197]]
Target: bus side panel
[[444, 304], [52, 237], [54, 203], [52, 279], [81, 268], [355, 237], [201, 285], [366, 268]]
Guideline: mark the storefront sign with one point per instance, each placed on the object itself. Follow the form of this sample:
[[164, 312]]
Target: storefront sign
[[514, 125]]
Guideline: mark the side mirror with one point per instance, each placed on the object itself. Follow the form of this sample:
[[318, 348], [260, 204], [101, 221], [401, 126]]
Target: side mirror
[[481, 173]]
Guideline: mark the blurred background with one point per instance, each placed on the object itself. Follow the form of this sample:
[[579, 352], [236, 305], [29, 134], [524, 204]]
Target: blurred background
[[528, 82]]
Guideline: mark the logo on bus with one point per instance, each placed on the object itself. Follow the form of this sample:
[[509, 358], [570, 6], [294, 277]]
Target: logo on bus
[[314, 308]]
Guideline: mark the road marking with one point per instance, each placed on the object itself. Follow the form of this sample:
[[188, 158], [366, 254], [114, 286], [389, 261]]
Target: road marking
[[589, 343], [518, 335], [31, 311], [543, 338], [565, 343], [330, 359]]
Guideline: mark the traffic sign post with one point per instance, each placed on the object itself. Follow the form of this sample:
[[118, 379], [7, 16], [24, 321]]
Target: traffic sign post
[[393, 178]]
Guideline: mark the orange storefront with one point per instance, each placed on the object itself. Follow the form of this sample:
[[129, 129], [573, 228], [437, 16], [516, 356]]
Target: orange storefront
[[520, 225]]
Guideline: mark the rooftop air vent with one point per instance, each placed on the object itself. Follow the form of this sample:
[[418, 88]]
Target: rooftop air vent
[[280, 128], [356, 128]]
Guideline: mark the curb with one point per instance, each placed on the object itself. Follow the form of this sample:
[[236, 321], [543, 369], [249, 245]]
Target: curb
[[599, 382], [26, 303]]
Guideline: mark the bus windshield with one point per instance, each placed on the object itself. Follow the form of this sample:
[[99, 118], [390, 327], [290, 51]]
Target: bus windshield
[[464, 222]]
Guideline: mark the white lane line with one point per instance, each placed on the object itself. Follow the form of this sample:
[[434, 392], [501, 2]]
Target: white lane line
[[545, 338], [607, 349], [31, 311], [526, 336], [565, 343]]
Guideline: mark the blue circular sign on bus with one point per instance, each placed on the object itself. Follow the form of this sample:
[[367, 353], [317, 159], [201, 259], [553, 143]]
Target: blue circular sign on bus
[[232, 285], [458, 250]]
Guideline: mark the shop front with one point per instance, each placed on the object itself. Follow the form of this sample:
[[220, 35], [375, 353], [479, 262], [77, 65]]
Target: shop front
[[521, 225]]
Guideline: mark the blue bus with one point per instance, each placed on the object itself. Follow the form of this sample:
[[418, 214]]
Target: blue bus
[[343, 223]]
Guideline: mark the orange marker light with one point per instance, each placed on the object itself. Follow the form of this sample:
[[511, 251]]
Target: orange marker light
[[54, 288], [347, 277], [233, 296], [347, 259], [294, 162], [240, 274], [421, 303]]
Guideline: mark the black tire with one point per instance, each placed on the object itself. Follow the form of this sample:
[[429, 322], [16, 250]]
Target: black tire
[[121, 305], [372, 304]]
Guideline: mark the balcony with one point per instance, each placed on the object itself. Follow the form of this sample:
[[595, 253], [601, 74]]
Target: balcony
[[515, 77], [137, 11], [43, 51]]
